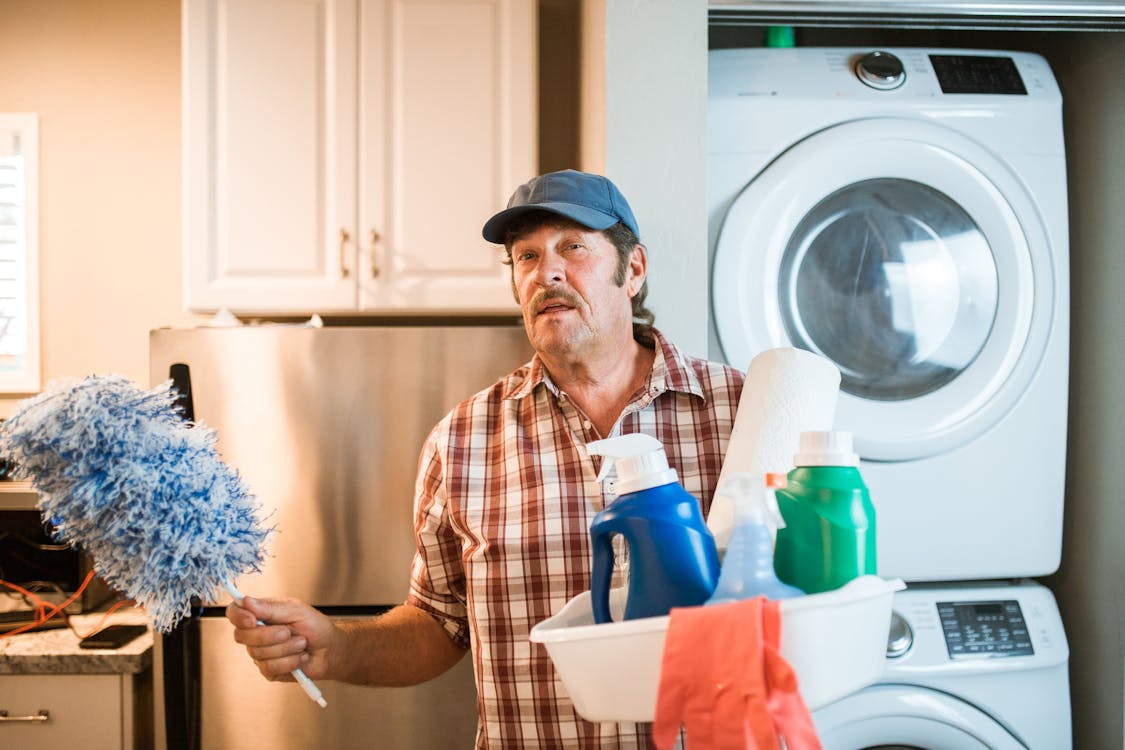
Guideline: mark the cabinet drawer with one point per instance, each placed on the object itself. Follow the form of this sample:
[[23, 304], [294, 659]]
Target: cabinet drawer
[[84, 711]]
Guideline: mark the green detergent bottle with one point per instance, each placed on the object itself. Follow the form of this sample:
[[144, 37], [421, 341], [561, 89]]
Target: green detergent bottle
[[829, 534]]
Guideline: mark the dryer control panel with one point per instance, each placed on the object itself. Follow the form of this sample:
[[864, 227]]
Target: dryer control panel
[[979, 629]]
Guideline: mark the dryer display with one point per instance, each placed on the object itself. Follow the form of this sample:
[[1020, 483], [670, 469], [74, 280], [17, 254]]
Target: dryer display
[[977, 74]]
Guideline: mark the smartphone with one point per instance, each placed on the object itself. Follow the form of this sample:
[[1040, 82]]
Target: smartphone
[[113, 636]]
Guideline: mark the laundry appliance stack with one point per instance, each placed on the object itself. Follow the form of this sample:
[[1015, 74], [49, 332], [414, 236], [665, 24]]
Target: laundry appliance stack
[[903, 212]]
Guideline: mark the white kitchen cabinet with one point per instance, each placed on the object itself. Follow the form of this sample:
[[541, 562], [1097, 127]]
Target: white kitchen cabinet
[[342, 155], [88, 711]]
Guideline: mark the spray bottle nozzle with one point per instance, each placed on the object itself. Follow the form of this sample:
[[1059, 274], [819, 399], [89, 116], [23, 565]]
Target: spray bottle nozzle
[[751, 503], [639, 458], [777, 480]]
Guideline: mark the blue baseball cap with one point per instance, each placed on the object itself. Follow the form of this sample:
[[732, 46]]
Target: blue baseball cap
[[590, 199]]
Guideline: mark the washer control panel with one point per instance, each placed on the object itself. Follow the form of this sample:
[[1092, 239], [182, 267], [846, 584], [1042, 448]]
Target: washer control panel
[[977, 74], [977, 629]]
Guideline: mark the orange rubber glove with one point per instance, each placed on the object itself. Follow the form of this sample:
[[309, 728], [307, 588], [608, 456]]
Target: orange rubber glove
[[723, 678]]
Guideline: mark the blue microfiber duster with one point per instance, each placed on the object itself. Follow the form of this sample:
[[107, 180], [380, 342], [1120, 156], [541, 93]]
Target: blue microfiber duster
[[121, 475]]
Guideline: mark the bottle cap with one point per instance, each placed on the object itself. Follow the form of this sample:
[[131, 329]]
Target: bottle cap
[[826, 448], [640, 461]]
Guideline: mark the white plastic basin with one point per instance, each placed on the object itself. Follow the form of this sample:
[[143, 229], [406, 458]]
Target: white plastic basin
[[836, 643]]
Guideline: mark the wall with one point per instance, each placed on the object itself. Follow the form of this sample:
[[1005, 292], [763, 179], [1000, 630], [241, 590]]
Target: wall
[[559, 78], [655, 150], [591, 71], [104, 78]]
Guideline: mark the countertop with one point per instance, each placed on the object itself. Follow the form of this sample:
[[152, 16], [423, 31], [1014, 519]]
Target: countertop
[[56, 651]]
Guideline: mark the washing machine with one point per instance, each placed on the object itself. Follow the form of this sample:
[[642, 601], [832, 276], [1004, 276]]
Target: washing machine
[[968, 666], [903, 213]]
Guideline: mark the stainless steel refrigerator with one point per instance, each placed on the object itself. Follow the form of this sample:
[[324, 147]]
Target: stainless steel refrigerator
[[325, 425]]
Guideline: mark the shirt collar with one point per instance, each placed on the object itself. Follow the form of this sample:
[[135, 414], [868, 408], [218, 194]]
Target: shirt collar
[[670, 372]]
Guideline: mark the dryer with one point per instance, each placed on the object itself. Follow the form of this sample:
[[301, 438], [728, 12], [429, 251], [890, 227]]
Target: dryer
[[969, 666], [903, 213]]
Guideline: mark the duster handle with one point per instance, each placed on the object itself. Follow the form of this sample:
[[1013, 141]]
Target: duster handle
[[306, 684]]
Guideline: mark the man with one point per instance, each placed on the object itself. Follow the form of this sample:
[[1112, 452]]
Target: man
[[506, 492]]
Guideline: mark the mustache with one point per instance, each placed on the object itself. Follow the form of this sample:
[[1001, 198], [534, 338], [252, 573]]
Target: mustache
[[545, 296]]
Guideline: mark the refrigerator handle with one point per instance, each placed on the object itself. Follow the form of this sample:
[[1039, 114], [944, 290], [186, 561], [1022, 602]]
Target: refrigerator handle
[[181, 381], [181, 647]]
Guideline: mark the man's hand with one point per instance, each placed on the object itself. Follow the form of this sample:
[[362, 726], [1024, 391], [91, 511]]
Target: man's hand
[[404, 646], [294, 636]]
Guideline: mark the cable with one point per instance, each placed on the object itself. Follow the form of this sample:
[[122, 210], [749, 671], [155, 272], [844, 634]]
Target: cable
[[44, 610], [101, 622], [16, 536], [41, 605]]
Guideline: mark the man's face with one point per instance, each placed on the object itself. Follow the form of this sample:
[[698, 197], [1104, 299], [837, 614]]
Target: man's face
[[564, 279]]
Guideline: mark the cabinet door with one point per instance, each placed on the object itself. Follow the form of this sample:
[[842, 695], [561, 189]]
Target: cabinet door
[[83, 711], [448, 131], [269, 154]]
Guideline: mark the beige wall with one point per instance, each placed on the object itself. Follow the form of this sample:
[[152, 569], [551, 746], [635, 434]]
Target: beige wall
[[104, 78]]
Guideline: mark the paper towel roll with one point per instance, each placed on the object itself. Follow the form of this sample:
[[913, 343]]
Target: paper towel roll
[[787, 392]]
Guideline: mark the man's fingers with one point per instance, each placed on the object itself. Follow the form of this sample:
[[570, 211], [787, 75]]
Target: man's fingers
[[281, 669]]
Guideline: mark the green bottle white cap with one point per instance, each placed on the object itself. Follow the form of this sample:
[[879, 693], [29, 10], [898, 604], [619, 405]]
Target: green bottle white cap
[[826, 448]]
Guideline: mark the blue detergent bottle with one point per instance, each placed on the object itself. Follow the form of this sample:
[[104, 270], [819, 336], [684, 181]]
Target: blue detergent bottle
[[748, 564], [673, 561]]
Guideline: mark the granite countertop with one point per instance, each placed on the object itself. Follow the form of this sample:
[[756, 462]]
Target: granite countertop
[[56, 651]]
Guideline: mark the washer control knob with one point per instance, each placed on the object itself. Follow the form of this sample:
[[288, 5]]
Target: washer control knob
[[880, 70], [900, 638]]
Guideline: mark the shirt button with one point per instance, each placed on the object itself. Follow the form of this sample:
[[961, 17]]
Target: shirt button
[[587, 424]]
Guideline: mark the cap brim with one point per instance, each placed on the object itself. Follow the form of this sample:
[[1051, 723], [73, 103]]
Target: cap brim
[[496, 228]]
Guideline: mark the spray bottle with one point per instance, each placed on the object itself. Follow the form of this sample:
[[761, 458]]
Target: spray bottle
[[829, 534], [747, 569], [672, 557]]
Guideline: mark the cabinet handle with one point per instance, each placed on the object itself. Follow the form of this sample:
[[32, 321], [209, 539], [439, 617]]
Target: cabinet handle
[[373, 250], [344, 237], [41, 718]]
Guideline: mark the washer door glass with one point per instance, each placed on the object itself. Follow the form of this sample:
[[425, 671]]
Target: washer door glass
[[894, 282], [911, 257]]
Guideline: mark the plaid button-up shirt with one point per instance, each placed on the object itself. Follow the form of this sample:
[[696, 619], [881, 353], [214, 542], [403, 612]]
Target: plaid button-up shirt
[[505, 497]]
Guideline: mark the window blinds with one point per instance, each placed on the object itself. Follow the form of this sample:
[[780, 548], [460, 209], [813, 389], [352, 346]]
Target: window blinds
[[19, 293]]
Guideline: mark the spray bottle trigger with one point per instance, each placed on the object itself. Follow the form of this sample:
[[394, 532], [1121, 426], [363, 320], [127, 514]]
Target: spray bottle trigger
[[774, 481], [639, 458], [773, 511], [607, 466]]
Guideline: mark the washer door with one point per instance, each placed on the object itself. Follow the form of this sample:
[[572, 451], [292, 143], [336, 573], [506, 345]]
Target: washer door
[[900, 716], [911, 257]]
